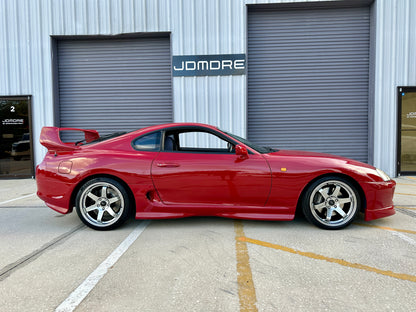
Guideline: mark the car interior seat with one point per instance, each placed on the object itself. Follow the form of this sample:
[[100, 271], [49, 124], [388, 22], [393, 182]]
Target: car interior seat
[[170, 144]]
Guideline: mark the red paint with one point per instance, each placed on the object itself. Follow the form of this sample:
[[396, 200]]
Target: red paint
[[246, 185], [50, 138]]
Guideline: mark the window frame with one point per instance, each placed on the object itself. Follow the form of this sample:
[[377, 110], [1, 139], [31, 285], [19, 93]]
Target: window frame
[[175, 131], [400, 89]]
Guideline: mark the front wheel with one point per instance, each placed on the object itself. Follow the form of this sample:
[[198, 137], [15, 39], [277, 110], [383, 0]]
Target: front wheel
[[102, 204], [331, 203]]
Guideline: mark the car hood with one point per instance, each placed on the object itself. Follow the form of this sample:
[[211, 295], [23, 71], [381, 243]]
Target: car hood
[[320, 157]]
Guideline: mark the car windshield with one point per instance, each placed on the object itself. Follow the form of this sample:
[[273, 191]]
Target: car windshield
[[258, 148]]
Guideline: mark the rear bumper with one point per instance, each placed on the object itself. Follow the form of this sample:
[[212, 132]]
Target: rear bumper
[[379, 197], [53, 191]]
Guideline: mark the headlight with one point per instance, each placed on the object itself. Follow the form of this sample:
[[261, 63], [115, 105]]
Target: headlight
[[383, 175]]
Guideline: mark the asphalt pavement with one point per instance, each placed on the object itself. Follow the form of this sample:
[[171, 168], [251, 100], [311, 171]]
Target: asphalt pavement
[[52, 262]]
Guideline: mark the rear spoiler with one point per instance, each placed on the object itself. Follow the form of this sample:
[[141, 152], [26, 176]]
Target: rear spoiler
[[50, 138]]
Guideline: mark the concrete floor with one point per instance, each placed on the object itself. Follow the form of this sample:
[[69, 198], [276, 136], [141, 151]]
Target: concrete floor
[[205, 264]]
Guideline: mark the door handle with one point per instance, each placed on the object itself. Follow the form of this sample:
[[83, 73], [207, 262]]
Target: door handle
[[167, 165]]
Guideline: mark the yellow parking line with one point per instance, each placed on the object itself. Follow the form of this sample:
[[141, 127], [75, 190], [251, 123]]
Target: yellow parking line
[[312, 255], [386, 228], [246, 290], [405, 194], [406, 184], [404, 207], [411, 178]]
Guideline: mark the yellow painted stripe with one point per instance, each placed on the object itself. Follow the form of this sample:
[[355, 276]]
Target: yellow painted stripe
[[312, 255], [386, 228], [406, 184], [405, 194], [246, 290], [411, 178], [404, 207]]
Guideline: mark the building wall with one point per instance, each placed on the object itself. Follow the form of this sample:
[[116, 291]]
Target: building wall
[[196, 27], [395, 65]]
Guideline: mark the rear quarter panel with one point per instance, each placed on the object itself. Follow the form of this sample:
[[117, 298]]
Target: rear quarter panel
[[58, 187]]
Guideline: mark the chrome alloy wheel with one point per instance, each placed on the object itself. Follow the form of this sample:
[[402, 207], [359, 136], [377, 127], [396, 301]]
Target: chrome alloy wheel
[[333, 203], [101, 204]]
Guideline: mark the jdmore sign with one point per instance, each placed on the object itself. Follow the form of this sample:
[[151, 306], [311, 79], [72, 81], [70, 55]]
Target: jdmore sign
[[209, 65]]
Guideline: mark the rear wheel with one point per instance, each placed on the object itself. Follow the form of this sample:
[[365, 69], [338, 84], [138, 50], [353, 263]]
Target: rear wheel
[[102, 204], [331, 203]]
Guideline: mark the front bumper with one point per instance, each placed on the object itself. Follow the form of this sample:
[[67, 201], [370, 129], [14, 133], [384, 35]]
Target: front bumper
[[379, 196]]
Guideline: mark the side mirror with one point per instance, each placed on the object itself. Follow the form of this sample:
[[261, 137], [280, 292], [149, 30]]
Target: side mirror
[[241, 151]]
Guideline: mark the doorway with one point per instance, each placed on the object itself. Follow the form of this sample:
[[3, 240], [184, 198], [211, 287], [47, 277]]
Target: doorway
[[407, 130], [16, 152]]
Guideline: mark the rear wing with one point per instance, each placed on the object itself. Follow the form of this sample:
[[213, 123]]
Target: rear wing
[[50, 138]]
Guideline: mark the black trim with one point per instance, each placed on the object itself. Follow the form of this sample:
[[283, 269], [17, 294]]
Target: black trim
[[155, 34], [312, 5], [399, 129]]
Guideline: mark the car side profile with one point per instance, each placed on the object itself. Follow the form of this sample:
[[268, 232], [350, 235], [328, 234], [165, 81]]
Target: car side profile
[[188, 169]]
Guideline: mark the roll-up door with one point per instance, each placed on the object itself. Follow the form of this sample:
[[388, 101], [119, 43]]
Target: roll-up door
[[308, 79], [114, 84]]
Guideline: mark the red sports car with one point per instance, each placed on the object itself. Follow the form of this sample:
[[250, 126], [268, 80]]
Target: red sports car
[[188, 169]]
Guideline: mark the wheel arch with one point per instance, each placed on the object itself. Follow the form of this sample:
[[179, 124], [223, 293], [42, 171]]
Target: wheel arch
[[334, 174], [110, 176]]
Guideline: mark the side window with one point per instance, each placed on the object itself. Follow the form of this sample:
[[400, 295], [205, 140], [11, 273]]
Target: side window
[[202, 142], [148, 142]]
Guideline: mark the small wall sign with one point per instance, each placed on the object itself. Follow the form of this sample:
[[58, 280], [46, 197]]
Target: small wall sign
[[411, 115], [209, 65]]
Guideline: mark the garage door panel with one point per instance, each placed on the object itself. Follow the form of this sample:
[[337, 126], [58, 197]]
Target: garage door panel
[[308, 73], [114, 84]]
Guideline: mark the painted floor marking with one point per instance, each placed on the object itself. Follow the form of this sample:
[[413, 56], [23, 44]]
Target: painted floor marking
[[79, 294], [406, 184], [246, 290], [411, 178], [405, 238], [404, 207], [386, 228], [14, 199], [405, 194], [312, 255]]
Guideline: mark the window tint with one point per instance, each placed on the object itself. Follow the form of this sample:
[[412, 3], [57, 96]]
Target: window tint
[[148, 142]]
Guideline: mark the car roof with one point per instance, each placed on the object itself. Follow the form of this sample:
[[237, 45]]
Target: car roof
[[176, 125], [145, 130]]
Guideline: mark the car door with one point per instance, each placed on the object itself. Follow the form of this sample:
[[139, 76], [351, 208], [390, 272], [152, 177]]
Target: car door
[[188, 173]]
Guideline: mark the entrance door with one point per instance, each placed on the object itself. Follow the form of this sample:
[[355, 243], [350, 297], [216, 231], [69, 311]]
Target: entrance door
[[15, 137], [407, 130]]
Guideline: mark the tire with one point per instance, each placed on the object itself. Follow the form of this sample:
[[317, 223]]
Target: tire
[[331, 203], [102, 204]]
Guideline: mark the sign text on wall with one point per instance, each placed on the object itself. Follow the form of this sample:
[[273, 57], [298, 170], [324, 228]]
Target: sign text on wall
[[209, 65]]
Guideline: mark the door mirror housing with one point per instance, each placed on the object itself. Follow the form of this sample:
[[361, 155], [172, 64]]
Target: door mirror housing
[[241, 151]]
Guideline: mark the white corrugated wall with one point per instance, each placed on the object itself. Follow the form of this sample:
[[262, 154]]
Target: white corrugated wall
[[197, 27], [395, 65]]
